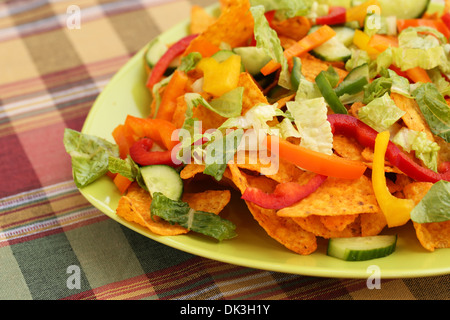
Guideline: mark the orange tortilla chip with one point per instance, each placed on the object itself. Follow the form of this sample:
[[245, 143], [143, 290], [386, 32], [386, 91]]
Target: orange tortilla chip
[[432, 235], [372, 223], [209, 201], [295, 27], [312, 66], [283, 230], [135, 207], [337, 223], [190, 170], [413, 117], [200, 20], [336, 197], [314, 224], [252, 93], [234, 26], [347, 147]]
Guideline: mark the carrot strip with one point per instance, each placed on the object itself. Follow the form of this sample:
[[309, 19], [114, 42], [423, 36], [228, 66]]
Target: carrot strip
[[309, 42], [418, 74]]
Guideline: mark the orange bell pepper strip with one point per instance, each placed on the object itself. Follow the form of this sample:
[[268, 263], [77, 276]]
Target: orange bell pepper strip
[[122, 183], [320, 163], [382, 42], [158, 130], [309, 42], [359, 13], [439, 25], [124, 140], [396, 210], [203, 46], [174, 89], [418, 74], [362, 41]]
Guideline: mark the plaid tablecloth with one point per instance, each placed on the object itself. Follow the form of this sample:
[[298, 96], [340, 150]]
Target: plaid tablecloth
[[50, 74]]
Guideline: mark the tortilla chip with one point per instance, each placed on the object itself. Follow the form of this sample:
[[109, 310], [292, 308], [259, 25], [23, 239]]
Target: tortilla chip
[[314, 224], [368, 156], [432, 235], [135, 207], [180, 112], [312, 66], [252, 93], [372, 223], [337, 223], [347, 147], [213, 201], [190, 170], [413, 117], [286, 172], [234, 26], [283, 230], [200, 20], [208, 118], [295, 27], [336, 197]]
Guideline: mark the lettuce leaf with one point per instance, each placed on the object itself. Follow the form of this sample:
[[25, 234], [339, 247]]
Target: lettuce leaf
[[288, 8], [127, 168], [267, 39], [89, 155], [381, 113], [416, 50], [310, 117], [376, 89], [228, 105], [434, 205], [202, 222], [220, 150], [434, 109], [416, 141]]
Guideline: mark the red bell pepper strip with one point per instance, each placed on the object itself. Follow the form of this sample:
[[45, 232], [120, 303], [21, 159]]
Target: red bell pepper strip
[[161, 66], [446, 19], [141, 154], [336, 15], [365, 135], [284, 195]]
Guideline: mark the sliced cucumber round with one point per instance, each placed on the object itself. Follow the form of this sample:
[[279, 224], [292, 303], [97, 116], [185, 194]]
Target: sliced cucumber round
[[403, 9], [336, 48], [164, 179], [362, 248]]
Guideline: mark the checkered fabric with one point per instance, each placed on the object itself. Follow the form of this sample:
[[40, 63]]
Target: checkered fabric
[[50, 75]]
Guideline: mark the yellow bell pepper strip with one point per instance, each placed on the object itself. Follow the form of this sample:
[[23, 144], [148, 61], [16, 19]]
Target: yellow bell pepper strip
[[309, 42], [220, 77], [396, 210], [359, 13], [362, 41], [320, 163]]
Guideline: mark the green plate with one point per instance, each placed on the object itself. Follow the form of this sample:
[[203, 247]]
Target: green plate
[[126, 94]]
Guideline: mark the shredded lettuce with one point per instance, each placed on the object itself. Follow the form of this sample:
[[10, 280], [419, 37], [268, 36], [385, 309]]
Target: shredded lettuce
[[381, 113], [434, 205], [285, 8], [267, 39], [417, 50], [310, 118], [127, 168], [89, 155], [378, 88], [424, 149], [434, 109], [227, 105]]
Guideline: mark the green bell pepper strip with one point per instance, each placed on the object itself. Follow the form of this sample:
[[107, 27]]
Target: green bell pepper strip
[[296, 74], [329, 94]]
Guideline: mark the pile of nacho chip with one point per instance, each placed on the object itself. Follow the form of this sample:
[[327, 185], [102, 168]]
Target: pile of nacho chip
[[339, 207]]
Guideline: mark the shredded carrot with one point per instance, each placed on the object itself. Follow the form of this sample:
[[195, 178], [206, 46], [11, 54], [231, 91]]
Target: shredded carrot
[[382, 42], [309, 42]]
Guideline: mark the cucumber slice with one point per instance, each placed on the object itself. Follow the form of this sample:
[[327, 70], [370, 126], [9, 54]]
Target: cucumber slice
[[332, 50], [362, 248], [336, 48], [155, 51], [164, 179], [360, 71], [403, 9], [253, 58]]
